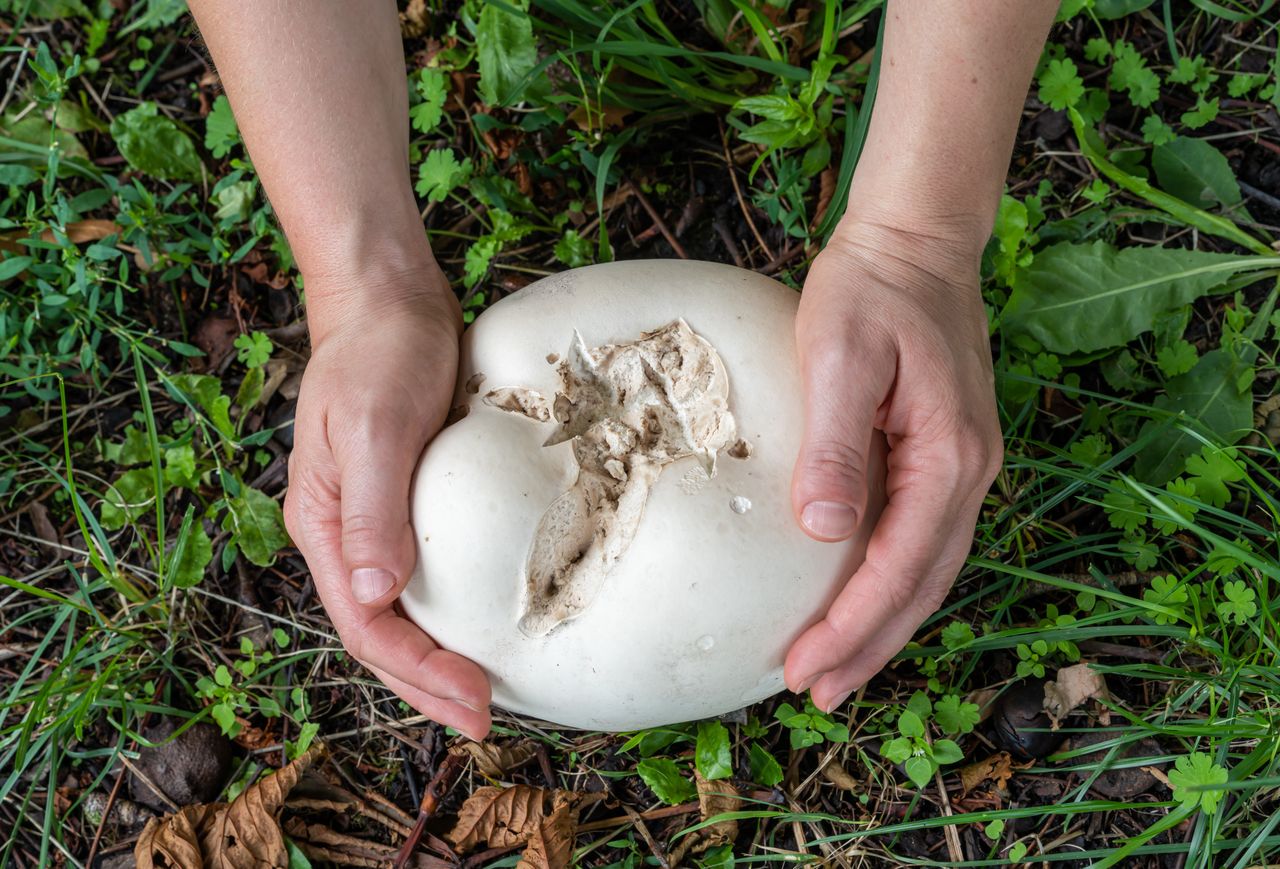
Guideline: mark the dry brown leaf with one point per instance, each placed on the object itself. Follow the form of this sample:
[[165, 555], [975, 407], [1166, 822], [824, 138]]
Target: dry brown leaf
[[495, 761], [839, 776], [998, 768], [1073, 686], [605, 118], [244, 834], [985, 700], [714, 798], [551, 844], [415, 19], [541, 820]]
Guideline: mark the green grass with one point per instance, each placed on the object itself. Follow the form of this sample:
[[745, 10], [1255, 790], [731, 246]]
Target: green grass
[[155, 470]]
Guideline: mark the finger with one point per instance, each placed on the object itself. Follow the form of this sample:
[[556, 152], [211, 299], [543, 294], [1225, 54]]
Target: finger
[[829, 484], [836, 685], [378, 552], [378, 638], [472, 722], [912, 557]]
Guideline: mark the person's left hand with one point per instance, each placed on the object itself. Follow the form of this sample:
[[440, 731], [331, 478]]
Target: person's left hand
[[892, 336]]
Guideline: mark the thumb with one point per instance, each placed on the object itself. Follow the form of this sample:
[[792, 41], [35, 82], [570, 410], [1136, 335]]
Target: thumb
[[377, 541], [842, 397]]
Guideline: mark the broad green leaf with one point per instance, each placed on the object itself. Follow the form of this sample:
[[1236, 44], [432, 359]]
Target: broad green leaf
[[256, 523], [1108, 9], [1196, 172], [206, 391], [153, 144], [1083, 297], [196, 551], [919, 769], [664, 778], [1209, 394], [128, 498], [1093, 150], [506, 50], [909, 724], [712, 751], [765, 770]]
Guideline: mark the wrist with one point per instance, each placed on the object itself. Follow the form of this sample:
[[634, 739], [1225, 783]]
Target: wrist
[[361, 297], [919, 247]]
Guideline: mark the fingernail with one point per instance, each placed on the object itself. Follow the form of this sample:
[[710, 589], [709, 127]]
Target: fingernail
[[829, 520], [806, 684], [462, 702], [370, 583], [839, 699]]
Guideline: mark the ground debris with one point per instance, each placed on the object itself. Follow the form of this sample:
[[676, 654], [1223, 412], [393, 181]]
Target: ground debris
[[543, 822], [242, 834], [1072, 687], [496, 761], [997, 768], [714, 798]]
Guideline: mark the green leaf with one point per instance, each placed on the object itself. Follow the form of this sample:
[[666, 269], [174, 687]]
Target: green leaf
[[297, 859], [151, 143], [666, 781], [256, 524], [196, 553], [711, 752], [506, 52], [1169, 592], [1195, 172], [765, 770], [1177, 358], [1204, 112], [1240, 604], [1197, 770], [180, 466], [1091, 147], [955, 716], [127, 498], [897, 750], [945, 751], [440, 174], [432, 88], [1208, 394], [205, 391], [1130, 73], [1083, 297], [1210, 471], [772, 106], [919, 769], [1060, 85], [957, 634], [220, 131], [253, 349], [910, 725], [225, 715], [1155, 131], [573, 250]]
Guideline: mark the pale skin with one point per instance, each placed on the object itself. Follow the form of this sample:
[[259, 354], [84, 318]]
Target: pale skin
[[891, 329]]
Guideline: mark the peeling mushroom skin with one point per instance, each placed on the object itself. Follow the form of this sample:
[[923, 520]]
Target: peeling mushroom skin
[[591, 544], [630, 410]]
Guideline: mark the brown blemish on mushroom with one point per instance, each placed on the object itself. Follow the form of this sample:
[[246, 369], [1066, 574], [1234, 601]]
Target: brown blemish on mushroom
[[472, 386], [553, 358], [629, 410], [740, 450]]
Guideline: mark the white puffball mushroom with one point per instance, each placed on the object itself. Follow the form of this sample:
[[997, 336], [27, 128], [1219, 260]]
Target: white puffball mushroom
[[607, 529]]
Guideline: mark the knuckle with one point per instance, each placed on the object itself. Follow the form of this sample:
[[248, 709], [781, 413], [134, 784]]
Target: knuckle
[[832, 459], [363, 531]]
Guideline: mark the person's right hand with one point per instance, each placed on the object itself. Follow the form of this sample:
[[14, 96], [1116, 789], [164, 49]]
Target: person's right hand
[[377, 388]]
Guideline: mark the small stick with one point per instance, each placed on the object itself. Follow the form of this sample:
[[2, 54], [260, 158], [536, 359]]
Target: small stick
[[658, 221], [654, 847], [435, 792], [733, 176]]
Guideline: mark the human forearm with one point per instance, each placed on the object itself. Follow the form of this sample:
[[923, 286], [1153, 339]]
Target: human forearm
[[953, 77], [319, 92]]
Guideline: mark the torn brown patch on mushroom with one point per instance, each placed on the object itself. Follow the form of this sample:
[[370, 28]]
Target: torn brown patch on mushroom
[[629, 410]]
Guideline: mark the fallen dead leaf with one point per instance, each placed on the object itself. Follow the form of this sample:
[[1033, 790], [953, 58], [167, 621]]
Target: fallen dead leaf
[[415, 19], [839, 776], [605, 118], [543, 821], [216, 336], [495, 761], [998, 768], [78, 232], [714, 798], [1072, 686], [242, 834]]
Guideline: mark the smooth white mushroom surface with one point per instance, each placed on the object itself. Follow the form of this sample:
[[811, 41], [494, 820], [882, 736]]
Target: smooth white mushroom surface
[[607, 529]]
